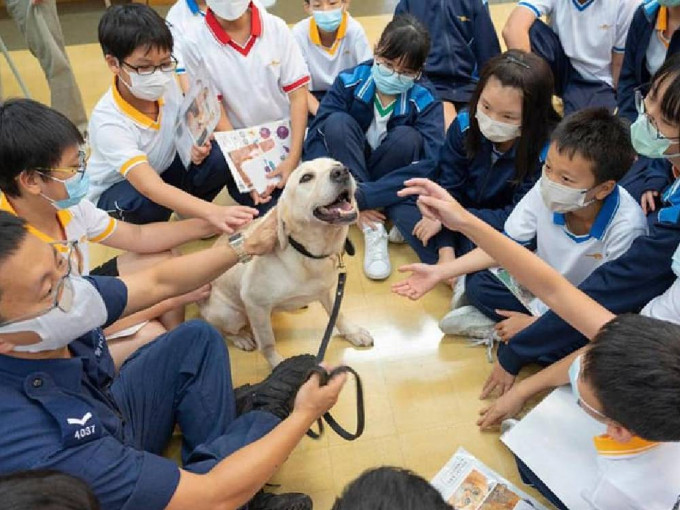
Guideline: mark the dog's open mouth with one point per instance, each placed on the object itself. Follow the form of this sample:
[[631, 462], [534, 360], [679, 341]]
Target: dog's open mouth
[[340, 210]]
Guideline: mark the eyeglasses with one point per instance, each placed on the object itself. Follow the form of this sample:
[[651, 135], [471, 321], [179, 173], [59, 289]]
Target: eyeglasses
[[642, 110], [70, 171], [62, 295], [165, 67], [387, 69]]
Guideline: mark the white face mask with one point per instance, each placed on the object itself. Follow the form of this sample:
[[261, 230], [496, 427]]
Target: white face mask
[[494, 131], [562, 199], [149, 87], [56, 328], [229, 9]]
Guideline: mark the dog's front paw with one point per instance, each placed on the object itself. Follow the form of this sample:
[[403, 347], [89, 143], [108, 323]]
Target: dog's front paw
[[244, 342], [359, 337]]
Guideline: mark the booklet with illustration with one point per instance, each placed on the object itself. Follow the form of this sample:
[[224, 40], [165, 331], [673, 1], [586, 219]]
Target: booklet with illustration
[[198, 117], [468, 484], [533, 305], [252, 153]]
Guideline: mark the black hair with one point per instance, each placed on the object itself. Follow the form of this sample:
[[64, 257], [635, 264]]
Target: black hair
[[669, 73], [45, 490], [32, 136], [633, 366], [532, 76], [124, 28], [600, 137], [390, 488], [405, 40]]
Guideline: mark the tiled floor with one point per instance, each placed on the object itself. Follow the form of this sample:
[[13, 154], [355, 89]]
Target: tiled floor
[[421, 387]]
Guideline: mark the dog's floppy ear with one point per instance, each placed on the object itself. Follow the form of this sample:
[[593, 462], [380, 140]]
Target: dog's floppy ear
[[281, 229]]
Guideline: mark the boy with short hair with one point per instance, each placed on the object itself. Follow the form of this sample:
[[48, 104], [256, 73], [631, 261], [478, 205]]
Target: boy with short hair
[[258, 71], [331, 41], [463, 40], [135, 170], [576, 215], [627, 378], [584, 45], [43, 180]]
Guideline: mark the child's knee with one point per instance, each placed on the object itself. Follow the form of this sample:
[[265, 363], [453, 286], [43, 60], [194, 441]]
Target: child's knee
[[337, 125], [407, 138]]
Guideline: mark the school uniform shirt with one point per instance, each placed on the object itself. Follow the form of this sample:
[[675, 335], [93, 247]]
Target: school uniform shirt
[[637, 475], [350, 48], [181, 17], [616, 226], [463, 40], [253, 80], [83, 223], [122, 137], [589, 32], [645, 52]]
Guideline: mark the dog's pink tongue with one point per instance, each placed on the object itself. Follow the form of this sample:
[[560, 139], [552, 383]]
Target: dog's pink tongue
[[342, 206]]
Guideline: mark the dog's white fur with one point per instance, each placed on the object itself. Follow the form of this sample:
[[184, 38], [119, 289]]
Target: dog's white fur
[[247, 294]]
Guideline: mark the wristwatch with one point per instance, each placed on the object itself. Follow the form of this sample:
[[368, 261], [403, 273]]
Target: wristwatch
[[237, 242]]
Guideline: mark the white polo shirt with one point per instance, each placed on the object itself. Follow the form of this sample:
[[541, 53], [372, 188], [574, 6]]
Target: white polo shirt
[[253, 80], [665, 307], [350, 49], [82, 222], [638, 475], [122, 137], [618, 223], [589, 32], [181, 17]]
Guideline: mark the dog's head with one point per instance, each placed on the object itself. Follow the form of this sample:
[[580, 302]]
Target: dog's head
[[318, 192]]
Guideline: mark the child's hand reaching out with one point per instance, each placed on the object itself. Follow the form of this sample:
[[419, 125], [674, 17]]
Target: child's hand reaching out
[[513, 324]]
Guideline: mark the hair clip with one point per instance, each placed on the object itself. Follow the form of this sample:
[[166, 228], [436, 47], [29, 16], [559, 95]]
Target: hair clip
[[515, 60]]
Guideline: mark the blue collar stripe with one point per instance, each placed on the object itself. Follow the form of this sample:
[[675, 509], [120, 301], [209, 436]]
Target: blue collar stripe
[[601, 223], [583, 7]]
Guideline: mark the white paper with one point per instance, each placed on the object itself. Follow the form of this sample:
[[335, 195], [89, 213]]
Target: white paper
[[555, 441], [467, 484], [252, 153], [198, 117]]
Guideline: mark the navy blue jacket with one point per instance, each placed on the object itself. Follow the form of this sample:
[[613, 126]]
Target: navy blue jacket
[[624, 285], [480, 185], [353, 92], [463, 39], [634, 71]]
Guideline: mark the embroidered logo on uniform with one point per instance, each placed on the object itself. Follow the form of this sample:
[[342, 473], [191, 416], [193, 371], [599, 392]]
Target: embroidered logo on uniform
[[275, 63], [463, 18], [604, 27], [80, 421], [596, 256]]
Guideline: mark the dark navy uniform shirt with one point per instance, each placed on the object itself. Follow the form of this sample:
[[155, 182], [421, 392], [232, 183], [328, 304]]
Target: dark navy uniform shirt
[[59, 414]]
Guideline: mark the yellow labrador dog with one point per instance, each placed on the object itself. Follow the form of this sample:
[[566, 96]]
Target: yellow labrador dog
[[314, 213]]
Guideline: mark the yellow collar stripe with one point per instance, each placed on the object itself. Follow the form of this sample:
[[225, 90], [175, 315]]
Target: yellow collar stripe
[[315, 37], [609, 447], [134, 113]]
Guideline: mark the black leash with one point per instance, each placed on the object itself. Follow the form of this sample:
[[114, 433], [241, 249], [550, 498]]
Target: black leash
[[325, 376]]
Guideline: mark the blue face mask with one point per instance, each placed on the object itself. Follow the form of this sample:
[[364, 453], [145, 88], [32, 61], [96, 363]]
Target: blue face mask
[[328, 21], [76, 188], [669, 3], [574, 372], [390, 82]]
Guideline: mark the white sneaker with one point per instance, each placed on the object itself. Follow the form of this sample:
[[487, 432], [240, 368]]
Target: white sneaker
[[459, 298], [467, 321], [376, 258], [395, 236]]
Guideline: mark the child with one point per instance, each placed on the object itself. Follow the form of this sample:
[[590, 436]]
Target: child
[[463, 40], [389, 488], [258, 70], [576, 216], [627, 378], [385, 125], [331, 41], [43, 180], [652, 37], [135, 171], [494, 153], [584, 45], [181, 18]]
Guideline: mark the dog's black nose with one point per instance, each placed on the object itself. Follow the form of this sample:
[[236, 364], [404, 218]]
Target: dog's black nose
[[340, 174]]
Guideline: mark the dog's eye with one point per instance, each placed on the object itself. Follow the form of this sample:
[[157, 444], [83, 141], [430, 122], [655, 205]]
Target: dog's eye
[[306, 178]]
